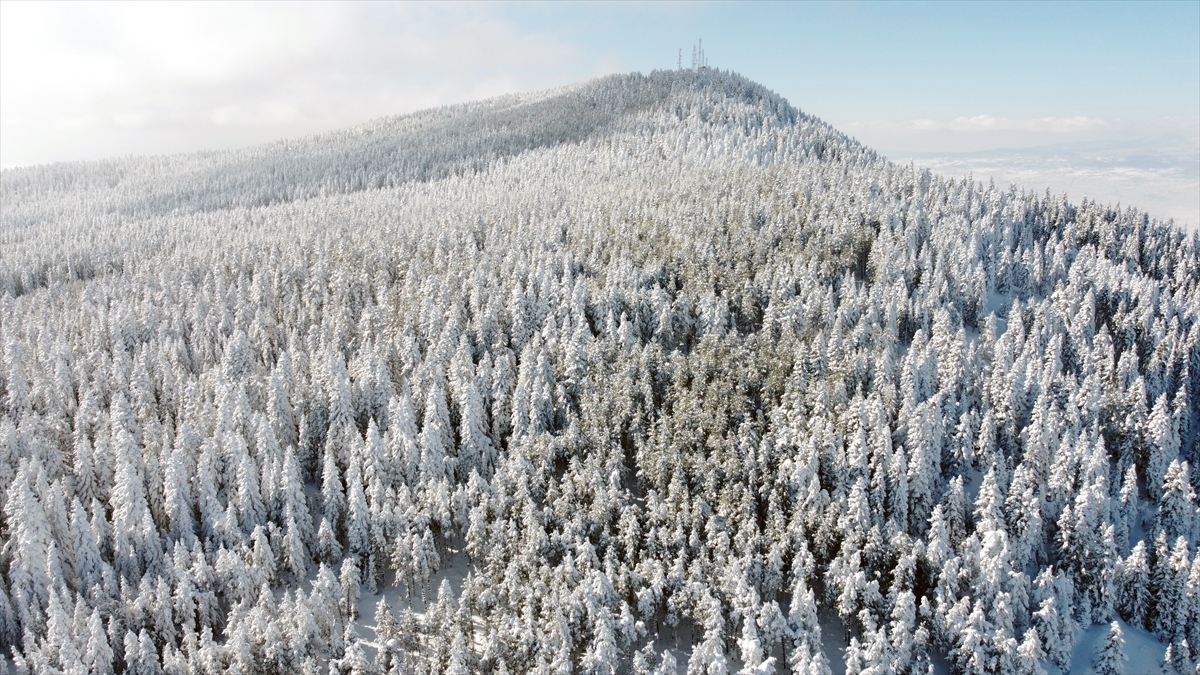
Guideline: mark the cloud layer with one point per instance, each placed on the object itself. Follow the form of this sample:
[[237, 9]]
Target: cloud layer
[[1160, 175], [986, 123], [82, 81]]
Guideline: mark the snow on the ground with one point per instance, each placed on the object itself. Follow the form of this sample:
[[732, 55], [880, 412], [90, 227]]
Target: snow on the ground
[[678, 640], [1143, 651], [833, 641], [455, 566]]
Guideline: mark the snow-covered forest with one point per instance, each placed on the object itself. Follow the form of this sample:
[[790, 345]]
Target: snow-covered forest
[[652, 374]]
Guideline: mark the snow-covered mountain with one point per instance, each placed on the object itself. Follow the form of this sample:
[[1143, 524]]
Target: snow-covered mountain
[[650, 374]]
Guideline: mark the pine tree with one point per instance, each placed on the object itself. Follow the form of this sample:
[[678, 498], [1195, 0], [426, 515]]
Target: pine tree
[[84, 469], [333, 495], [350, 580], [1171, 608], [806, 654], [32, 550], [1030, 655], [668, 665], [207, 497], [1177, 510], [386, 626], [251, 511], [1134, 586], [904, 619], [141, 658], [854, 657], [1111, 660], [88, 563], [708, 658], [971, 651], [377, 474], [358, 517], [645, 660], [1193, 603], [1178, 658], [1127, 507], [1163, 441], [131, 512], [329, 550], [1057, 632], [425, 561], [292, 500], [460, 657], [59, 646], [476, 451], [280, 413], [294, 550], [177, 498], [922, 470], [602, 655], [400, 439], [754, 661], [436, 439], [340, 401]]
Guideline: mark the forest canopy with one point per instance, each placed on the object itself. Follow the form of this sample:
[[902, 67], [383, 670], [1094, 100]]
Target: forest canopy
[[650, 374]]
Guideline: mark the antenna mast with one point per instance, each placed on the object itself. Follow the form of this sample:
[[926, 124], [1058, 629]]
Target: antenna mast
[[698, 60]]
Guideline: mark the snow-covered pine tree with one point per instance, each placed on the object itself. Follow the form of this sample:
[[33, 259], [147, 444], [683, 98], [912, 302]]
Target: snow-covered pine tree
[[1111, 660]]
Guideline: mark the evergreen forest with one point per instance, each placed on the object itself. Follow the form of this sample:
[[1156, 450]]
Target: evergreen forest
[[653, 374]]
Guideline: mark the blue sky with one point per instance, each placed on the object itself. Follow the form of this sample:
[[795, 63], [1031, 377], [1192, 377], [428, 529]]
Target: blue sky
[[918, 59], [82, 81]]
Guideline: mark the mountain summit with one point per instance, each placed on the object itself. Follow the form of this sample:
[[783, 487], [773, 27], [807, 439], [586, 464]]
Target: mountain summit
[[422, 146], [648, 374]]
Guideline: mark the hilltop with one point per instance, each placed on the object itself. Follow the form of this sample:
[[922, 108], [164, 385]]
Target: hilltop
[[652, 373]]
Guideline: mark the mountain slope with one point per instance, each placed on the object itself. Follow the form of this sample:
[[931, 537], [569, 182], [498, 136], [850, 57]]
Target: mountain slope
[[387, 152], [48, 206], [564, 381]]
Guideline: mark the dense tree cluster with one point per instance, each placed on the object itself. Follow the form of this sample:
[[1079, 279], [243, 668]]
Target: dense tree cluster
[[653, 358]]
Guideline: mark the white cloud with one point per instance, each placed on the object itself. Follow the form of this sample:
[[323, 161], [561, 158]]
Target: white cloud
[[1039, 124], [1164, 191], [1153, 163], [983, 122], [89, 80], [988, 132]]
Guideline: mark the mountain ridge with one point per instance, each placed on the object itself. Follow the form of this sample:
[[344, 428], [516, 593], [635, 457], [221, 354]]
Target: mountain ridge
[[713, 386], [391, 150]]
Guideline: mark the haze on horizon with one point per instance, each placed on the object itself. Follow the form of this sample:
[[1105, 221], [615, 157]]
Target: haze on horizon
[[1099, 100]]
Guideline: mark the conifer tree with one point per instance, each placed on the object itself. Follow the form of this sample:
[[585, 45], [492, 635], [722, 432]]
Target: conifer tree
[[1177, 510], [333, 495], [1030, 655], [358, 517], [1163, 446], [436, 439], [709, 656], [1134, 592], [350, 580], [1056, 630], [1111, 660], [294, 550]]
